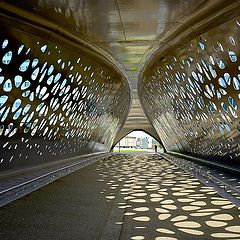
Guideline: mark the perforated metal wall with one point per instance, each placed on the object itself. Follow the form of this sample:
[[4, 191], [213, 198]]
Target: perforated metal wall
[[56, 99], [192, 94]]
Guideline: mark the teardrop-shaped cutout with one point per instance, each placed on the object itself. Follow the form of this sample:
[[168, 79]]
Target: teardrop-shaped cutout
[[5, 43], [7, 58], [18, 81], [24, 66], [7, 87]]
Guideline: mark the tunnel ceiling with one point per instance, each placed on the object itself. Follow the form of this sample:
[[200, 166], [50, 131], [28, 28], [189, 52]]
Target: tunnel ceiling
[[129, 32]]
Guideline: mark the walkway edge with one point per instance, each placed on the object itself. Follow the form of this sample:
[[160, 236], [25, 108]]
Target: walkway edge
[[13, 193], [221, 187]]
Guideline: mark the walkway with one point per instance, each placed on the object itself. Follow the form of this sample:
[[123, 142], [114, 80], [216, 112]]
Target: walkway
[[122, 197]]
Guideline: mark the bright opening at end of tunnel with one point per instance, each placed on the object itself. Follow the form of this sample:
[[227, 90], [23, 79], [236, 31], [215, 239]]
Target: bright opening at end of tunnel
[[138, 141]]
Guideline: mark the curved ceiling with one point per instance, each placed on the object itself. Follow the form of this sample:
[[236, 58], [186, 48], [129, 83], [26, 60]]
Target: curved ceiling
[[128, 31]]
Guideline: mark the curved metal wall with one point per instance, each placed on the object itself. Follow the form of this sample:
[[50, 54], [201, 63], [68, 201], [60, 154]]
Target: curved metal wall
[[191, 94], [57, 100]]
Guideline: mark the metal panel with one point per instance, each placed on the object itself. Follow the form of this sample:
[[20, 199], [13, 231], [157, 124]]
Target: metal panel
[[57, 100], [191, 93]]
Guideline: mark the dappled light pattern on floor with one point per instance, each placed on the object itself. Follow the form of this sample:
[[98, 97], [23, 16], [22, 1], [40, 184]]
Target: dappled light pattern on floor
[[163, 202]]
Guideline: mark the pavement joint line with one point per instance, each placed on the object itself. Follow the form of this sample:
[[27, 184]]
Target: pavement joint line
[[20, 190]]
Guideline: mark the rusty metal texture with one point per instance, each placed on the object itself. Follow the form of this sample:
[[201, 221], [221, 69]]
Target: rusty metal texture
[[191, 93], [57, 100]]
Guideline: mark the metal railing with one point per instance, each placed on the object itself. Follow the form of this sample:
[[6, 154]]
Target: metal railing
[[205, 175], [10, 194]]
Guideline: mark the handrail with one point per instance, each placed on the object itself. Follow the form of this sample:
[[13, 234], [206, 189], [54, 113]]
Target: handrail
[[217, 183], [10, 194]]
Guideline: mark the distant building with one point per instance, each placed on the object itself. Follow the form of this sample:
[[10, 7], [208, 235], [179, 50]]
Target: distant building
[[143, 142], [140, 142], [128, 142]]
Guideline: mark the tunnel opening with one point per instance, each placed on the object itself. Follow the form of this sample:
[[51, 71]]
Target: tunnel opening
[[138, 141]]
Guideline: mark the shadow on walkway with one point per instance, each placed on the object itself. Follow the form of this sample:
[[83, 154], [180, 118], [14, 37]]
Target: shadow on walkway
[[123, 197]]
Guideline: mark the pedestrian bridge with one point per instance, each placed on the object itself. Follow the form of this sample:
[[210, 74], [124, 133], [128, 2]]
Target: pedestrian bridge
[[76, 76]]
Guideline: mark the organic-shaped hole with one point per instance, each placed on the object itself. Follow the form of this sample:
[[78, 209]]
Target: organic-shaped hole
[[209, 91], [5, 43], [42, 76], [28, 50], [34, 132], [57, 77], [16, 104], [13, 132], [236, 83], [3, 100], [211, 60], [223, 92], [227, 78], [7, 87], [5, 114], [26, 93], [30, 117], [232, 103], [27, 128], [50, 80], [222, 82], [220, 46], [50, 70], [213, 72], [43, 48], [17, 114], [42, 92], [26, 109], [2, 130], [34, 62], [35, 74], [43, 111], [18, 80], [31, 97], [25, 85], [34, 124], [220, 63], [232, 55], [20, 49], [1, 79], [43, 67], [24, 66], [232, 40], [63, 83], [8, 129], [39, 106], [7, 58]]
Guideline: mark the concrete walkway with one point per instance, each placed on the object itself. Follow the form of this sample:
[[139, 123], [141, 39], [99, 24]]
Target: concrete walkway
[[123, 197]]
